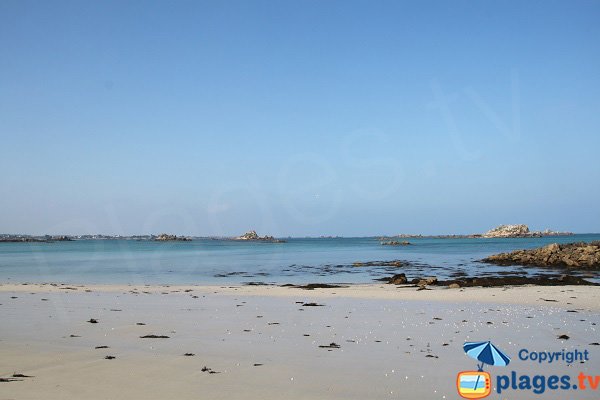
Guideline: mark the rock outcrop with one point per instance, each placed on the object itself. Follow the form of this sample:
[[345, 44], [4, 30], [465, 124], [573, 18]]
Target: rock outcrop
[[515, 280], [253, 236], [490, 281], [163, 237], [572, 255], [398, 279], [504, 231], [519, 231]]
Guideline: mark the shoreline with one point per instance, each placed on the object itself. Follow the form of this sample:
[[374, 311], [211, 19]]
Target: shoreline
[[25, 238], [588, 296]]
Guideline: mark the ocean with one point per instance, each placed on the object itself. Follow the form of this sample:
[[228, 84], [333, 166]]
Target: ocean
[[299, 260]]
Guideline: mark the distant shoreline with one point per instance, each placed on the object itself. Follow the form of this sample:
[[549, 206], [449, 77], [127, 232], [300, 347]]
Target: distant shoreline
[[9, 238]]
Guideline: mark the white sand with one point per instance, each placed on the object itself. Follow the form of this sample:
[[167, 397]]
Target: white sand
[[385, 334]]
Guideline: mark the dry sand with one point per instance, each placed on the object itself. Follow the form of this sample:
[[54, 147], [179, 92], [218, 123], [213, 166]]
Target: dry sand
[[263, 343]]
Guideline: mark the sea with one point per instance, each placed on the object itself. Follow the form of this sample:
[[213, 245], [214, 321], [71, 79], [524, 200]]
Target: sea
[[297, 261]]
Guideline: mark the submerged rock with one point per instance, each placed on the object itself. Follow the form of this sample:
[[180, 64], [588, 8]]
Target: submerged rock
[[396, 243], [392, 263], [572, 255]]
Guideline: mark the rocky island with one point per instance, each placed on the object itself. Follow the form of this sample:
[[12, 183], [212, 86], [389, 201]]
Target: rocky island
[[571, 255], [163, 237], [519, 231], [252, 236], [502, 231]]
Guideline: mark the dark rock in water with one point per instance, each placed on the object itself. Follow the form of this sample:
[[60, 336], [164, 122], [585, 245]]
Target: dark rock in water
[[101, 347], [392, 263], [189, 354], [432, 280], [564, 337], [493, 281], [580, 255], [396, 243], [312, 305], [92, 321], [398, 279], [110, 357], [227, 274], [518, 281], [15, 375]]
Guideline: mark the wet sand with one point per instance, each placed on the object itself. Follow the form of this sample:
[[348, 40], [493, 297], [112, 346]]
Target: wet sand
[[267, 342]]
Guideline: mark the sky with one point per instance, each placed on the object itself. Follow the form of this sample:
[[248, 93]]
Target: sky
[[298, 118]]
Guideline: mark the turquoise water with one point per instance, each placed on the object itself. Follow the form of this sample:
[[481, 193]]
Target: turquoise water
[[227, 262]]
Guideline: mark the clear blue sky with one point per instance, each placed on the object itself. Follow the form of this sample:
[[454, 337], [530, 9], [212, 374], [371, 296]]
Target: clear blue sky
[[298, 117]]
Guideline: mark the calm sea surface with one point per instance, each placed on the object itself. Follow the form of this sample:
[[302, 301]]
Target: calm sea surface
[[228, 262]]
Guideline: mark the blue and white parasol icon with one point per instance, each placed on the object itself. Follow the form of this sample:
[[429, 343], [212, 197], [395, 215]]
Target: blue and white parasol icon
[[487, 353]]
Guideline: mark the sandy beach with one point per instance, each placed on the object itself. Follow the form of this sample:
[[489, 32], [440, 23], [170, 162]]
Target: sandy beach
[[269, 342], [299, 200]]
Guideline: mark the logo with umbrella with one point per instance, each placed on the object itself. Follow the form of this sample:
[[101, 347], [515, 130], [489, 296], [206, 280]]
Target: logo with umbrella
[[477, 384]]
